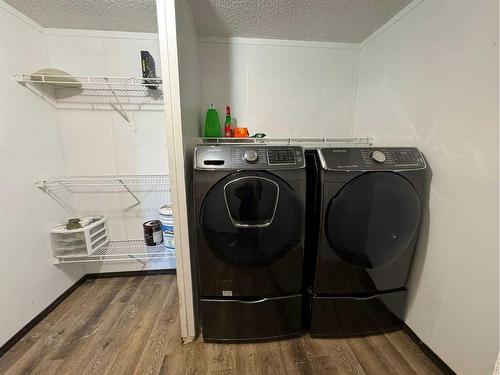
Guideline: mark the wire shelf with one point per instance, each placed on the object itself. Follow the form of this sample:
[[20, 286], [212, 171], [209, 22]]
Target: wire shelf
[[96, 92], [306, 142], [120, 251], [84, 195], [93, 83], [106, 183]]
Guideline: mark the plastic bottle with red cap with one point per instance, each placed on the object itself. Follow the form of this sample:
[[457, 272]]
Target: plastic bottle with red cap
[[228, 131]]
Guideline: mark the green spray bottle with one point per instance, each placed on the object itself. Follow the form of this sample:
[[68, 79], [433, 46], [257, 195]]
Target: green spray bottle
[[212, 124]]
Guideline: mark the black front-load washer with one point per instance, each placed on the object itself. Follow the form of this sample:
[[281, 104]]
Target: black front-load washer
[[371, 204], [249, 207]]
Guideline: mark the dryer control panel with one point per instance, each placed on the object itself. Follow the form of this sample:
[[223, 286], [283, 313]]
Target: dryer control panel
[[253, 157], [368, 159]]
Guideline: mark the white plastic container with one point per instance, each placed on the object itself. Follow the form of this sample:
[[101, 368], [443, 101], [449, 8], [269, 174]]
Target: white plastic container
[[167, 226], [79, 242]]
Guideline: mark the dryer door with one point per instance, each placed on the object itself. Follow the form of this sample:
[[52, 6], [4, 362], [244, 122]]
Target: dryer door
[[251, 219], [373, 219]]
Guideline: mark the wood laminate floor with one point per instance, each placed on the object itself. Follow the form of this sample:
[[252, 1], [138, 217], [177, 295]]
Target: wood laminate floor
[[131, 326]]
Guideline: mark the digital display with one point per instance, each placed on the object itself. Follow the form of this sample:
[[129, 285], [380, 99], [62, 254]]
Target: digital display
[[281, 156], [406, 158]]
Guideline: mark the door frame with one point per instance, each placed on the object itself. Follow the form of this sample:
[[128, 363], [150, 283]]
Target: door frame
[[167, 33]]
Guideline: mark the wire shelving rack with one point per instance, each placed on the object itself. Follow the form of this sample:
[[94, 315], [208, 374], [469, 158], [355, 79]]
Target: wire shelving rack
[[306, 142], [113, 195], [122, 94], [87, 195], [122, 251]]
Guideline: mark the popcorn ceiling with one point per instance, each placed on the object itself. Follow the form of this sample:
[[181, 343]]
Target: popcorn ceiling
[[317, 20]]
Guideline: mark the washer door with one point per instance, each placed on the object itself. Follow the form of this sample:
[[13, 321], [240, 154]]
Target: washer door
[[373, 219], [251, 219]]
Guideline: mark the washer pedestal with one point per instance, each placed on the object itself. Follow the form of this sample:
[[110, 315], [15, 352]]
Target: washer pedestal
[[262, 319]]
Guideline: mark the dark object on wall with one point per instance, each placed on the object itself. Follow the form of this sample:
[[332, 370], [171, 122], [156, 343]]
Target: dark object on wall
[[149, 70]]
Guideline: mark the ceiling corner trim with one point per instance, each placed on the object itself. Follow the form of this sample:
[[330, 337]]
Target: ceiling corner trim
[[278, 42], [100, 34], [390, 22], [20, 16]]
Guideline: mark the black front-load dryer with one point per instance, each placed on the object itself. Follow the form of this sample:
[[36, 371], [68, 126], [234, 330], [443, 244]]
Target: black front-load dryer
[[249, 207], [371, 204]]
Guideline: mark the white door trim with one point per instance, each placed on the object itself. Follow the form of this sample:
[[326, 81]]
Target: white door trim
[[167, 33]]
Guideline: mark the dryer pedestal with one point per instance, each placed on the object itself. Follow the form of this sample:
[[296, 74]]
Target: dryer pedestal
[[357, 316]]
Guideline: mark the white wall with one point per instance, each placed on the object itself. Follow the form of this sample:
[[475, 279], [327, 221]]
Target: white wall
[[101, 142], [30, 149], [431, 79], [281, 88]]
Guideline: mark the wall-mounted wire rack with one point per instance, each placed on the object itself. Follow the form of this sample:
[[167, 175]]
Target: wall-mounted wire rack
[[122, 251], [91, 195], [306, 142], [122, 94], [112, 195]]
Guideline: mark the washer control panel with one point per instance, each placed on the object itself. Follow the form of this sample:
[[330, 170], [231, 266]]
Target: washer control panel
[[387, 158], [248, 157]]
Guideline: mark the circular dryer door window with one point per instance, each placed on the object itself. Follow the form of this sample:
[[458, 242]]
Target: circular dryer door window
[[373, 219], [251, 219]]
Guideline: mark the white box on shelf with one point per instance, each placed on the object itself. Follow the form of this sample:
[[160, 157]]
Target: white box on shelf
[[79, 242]]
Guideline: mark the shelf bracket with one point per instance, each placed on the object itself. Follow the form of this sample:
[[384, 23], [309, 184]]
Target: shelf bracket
[[42, 185], [120, 108], [138, 202], [139, 260]]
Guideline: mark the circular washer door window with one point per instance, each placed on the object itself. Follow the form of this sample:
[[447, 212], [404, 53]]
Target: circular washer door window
[[373, 219], [251, 219]]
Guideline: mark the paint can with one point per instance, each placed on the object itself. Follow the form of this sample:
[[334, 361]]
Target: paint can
[[167, 226], [152, 232]]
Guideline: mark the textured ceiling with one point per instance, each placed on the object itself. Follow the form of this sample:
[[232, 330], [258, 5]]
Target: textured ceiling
[[116, 15], [318, 20]]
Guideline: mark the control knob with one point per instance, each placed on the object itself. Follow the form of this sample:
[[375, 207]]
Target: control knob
[[250, 156], [377, 157]]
